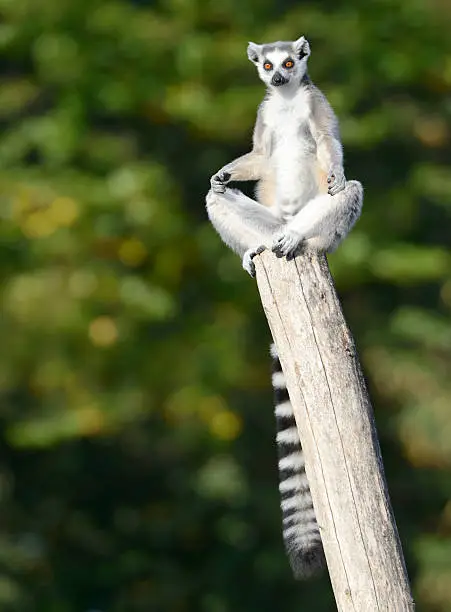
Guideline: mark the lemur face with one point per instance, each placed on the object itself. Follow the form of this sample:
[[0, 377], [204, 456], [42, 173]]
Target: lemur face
[[280, 63]]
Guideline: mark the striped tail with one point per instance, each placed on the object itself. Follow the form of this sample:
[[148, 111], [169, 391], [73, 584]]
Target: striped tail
[[300, 530]]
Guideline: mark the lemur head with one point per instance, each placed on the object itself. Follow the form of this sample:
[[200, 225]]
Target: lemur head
[[280, 63]]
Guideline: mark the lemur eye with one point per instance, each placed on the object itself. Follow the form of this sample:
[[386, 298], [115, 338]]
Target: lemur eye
[[267, 65], [288, 64]]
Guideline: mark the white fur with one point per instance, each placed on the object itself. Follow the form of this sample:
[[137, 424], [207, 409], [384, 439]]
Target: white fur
[[294, 160], [298, 500], [285, 409], [298, 482], [278, 380], [276, 57], [304, 517], [294, 462], [288, 436]]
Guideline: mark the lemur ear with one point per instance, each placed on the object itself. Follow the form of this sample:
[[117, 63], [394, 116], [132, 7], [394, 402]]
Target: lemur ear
[[253, 52], [301, 47]]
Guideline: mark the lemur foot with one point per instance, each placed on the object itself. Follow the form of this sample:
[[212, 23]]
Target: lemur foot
[[248, 257], [336, 181], [214, 197], [219, 181], [287, 244]]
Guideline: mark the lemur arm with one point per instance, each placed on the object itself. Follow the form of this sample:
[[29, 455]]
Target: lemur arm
[[325, 131], [248, 167]]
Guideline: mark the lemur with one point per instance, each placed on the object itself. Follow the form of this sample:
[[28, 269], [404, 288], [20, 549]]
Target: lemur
[[303, 202]]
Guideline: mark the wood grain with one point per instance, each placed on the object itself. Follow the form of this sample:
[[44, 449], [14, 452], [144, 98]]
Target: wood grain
[[338, 434]]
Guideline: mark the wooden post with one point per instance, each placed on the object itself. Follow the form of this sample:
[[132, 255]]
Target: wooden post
[[337, 429]]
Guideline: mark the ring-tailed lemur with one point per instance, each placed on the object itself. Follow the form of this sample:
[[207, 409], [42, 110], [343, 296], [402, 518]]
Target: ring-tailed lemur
[[304, 201]]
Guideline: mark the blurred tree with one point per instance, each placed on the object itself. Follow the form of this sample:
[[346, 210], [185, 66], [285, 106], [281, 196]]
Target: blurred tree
[[137, 467]]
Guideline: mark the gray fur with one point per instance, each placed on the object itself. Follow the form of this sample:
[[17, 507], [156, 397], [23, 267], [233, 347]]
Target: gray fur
[[282, 45]]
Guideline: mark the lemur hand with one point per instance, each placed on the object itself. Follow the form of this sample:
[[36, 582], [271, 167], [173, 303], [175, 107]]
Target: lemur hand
[[219, 181], [288, 243], [248, 256], [336, 181]]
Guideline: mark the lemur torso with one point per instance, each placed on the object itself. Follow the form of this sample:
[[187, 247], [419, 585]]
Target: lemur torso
[[304, 202], [292, 176]]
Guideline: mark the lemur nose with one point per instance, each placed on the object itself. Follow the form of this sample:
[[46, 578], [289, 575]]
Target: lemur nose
[[278, 79]]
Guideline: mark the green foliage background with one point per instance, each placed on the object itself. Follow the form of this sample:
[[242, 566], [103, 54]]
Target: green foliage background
[[137, 460]]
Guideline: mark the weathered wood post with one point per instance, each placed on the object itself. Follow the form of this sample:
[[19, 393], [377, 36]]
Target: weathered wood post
[[337, 429]]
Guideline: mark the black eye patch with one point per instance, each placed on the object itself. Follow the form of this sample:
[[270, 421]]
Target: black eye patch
[[267, 65], [288, 63]]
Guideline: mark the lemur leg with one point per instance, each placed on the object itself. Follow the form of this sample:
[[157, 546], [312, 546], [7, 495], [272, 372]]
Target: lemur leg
[[244, 225], [323, 222]]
